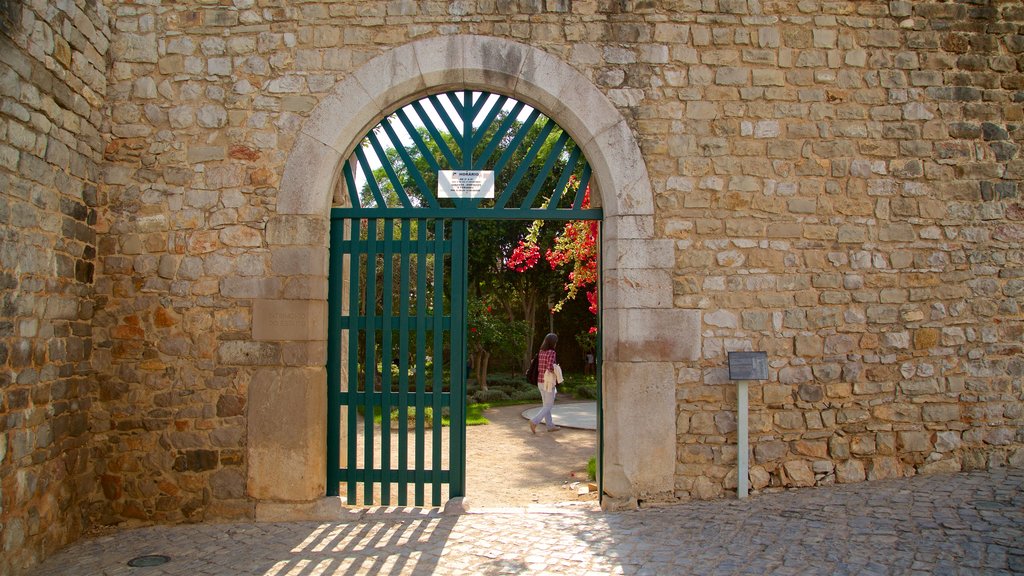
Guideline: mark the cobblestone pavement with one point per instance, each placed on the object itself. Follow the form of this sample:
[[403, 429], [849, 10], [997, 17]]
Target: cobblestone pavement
[[970, 523]]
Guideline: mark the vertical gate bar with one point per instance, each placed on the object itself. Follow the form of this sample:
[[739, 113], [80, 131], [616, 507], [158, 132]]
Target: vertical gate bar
[[370, 359], [477, 106], [336, 284], [386, 355], [457, 396], [466, 141], [403, 370], [421, 355], [438, 355], [355, 263]]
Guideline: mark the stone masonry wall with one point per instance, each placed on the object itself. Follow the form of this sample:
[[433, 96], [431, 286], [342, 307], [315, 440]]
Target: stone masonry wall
[[847, 197], [841, 179], [52, 90]]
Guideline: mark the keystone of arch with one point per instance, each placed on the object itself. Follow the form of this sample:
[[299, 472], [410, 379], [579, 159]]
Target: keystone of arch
[[408, 72]]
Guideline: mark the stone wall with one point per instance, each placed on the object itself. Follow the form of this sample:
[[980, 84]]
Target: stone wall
[[843, 183], [840, 181], [52, 90]]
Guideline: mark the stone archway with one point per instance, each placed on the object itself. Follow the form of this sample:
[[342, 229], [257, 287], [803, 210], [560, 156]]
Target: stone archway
[[643, 333]]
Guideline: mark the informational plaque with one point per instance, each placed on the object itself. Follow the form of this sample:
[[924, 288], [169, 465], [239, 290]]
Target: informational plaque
[[465, 184], [744, 366], [748, 365]]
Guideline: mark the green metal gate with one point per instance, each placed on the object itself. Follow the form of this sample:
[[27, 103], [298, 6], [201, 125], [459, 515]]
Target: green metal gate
[[397, 283]]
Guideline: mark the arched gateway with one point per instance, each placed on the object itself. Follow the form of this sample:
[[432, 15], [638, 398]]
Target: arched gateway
[[642, 332]]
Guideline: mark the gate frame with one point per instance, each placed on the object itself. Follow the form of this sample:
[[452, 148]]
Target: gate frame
[[643, 334]]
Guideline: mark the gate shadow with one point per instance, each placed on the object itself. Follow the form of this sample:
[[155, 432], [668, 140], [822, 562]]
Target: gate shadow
[[380, 543]]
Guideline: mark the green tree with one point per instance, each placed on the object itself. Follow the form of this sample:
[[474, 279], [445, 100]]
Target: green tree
[[490, 329]]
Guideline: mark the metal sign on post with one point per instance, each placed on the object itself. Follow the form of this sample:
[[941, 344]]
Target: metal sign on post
[[744, 366]]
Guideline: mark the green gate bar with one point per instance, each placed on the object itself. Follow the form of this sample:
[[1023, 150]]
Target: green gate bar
[[433, 313]]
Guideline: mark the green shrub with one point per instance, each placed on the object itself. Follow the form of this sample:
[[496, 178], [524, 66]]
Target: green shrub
[[491, 395], [503, 380], [592, 469], [527, 395], [582, 387]]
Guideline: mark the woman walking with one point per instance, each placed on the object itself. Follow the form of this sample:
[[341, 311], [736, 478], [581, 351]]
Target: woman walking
[[546, 362]]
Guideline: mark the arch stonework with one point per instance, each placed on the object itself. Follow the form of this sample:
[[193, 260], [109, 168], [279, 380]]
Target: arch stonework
[[642, 333]]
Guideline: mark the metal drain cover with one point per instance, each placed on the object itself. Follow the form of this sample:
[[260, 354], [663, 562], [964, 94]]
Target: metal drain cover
[[149, 560]]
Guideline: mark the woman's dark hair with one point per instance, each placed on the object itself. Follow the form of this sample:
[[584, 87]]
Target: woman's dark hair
[[549, 342]]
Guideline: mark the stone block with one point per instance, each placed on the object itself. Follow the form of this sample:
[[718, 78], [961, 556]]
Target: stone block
[[299, 261], [637, 288], [287, 463], [795, 375], [624, 254], [883, 468], [129, 47], [639, 406], [941, 412], [769, 451], [798, 473], [776, 395], [850, 471], [309, 177], [297, 230], [619, 166], [912, 441], [245, 353], [721, 319], [284, 320], [628, 227], [732, 76], [639, 335], [250, 287]]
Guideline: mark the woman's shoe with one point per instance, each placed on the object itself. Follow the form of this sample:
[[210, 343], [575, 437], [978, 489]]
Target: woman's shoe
[[554, 429], [533, 428]]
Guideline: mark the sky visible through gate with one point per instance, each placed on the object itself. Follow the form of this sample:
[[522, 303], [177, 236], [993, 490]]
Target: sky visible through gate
[[405, 139]]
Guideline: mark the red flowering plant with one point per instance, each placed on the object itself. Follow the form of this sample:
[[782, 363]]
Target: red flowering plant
[[575, 247]]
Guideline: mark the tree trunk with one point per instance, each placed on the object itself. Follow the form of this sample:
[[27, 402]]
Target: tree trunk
[[530, 298], [482, 359]]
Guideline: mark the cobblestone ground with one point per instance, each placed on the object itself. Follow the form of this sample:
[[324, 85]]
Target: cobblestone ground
[[970, 523]]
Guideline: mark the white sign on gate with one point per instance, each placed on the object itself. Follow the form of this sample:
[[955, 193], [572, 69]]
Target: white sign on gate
[[465, 184]]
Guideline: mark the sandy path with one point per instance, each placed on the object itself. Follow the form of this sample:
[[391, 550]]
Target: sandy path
[[506, 465]]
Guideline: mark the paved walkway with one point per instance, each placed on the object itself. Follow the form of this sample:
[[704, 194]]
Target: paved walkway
[[581, 415], [970, 523]]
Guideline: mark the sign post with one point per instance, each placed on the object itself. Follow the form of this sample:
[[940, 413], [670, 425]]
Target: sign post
[[745, 366]]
